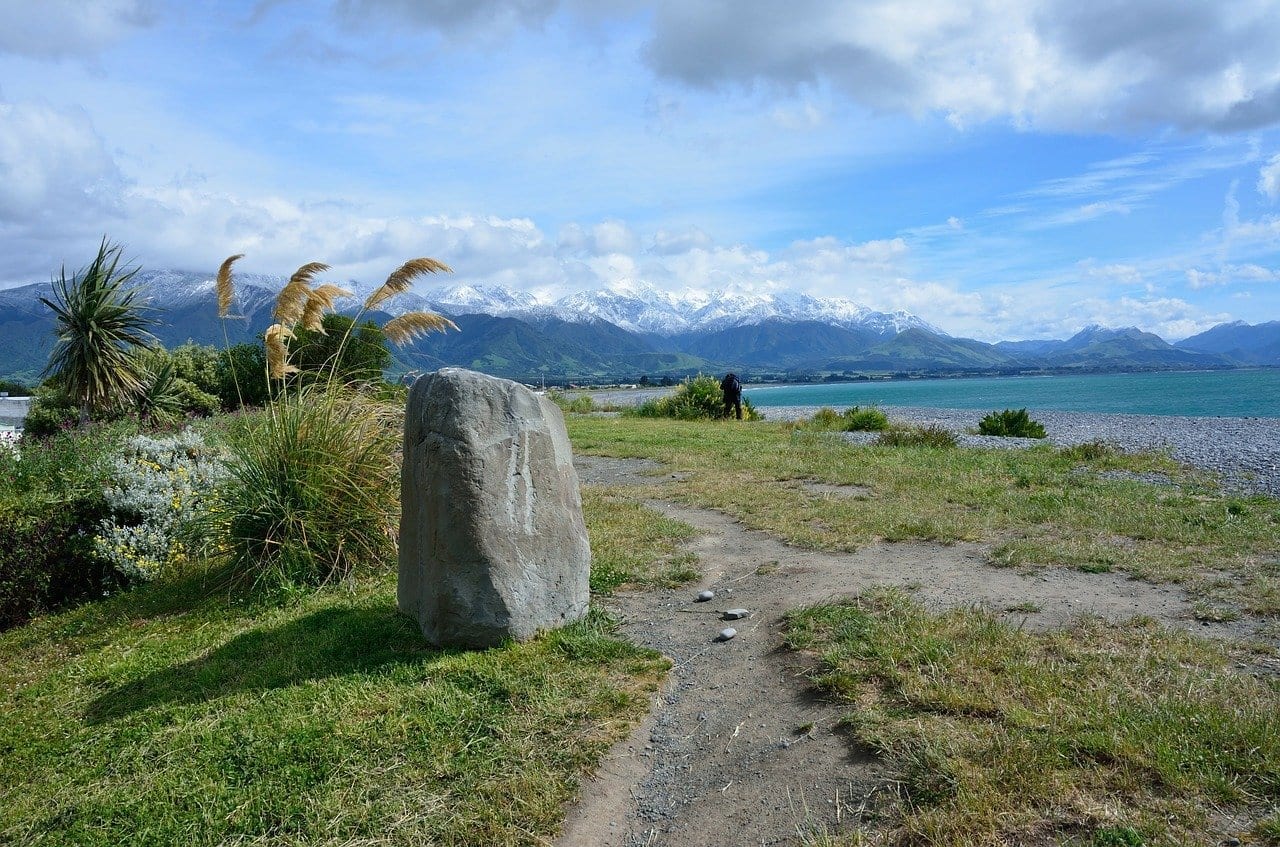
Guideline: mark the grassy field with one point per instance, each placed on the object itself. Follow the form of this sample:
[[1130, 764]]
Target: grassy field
[[1083, 507], [178, 715], [1107, 735], [182, 713]]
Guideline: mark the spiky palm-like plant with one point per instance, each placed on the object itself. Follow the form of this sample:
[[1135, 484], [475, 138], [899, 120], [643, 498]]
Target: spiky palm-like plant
[[100, 327]]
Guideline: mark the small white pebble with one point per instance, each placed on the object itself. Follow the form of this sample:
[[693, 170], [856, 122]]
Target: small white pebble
[[726, 633], [704, 596]]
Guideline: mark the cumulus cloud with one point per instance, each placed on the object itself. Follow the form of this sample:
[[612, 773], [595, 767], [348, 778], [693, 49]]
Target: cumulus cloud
[[1053, 64], [53, 29]]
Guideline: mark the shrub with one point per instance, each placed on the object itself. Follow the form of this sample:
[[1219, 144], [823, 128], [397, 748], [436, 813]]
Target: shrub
[[51, 411], [699, 398], [51, 503], [927, 436], [312, 490], [1011, 424], [47, 560], [857, 419], [826, 418], [582, 404], [158, 486], [242, 376]]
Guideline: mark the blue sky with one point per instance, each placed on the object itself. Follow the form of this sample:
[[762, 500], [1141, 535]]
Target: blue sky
[[1003, 169]]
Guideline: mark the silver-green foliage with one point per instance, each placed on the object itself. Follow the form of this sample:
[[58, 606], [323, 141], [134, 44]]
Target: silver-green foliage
[[158, 486]]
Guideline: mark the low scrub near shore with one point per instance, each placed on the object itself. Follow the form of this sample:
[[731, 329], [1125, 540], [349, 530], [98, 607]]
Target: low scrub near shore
[[177, 714], [1089, 508], [1095, 735], [694, 399]]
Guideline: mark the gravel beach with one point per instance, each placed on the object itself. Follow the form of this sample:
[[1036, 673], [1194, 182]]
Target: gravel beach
[[1245, 452]]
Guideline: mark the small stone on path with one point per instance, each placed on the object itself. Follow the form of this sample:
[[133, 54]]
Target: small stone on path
[[726, 633], [704, 596], [735, 614]]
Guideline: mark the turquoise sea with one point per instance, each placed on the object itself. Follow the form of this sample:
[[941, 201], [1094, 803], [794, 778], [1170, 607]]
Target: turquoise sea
[[1237, 393]]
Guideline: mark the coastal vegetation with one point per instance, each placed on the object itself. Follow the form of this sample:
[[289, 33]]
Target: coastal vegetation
[[698, 398], [1011, 423], [236, 669]]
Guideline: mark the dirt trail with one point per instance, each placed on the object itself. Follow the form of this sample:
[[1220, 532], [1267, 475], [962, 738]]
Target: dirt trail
[[738, 750]]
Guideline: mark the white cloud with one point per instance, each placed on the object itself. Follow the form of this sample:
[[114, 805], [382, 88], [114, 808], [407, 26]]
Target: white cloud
[[1229, 275], [55, 29], [1049, 64], [1170, 318], [1269, 178], [1052, 63]]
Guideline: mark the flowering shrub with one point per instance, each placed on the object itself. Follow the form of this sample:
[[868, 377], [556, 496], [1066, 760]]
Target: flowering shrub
[[157, 486]]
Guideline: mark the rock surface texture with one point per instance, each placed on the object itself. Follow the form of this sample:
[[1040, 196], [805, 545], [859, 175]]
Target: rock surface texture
[[492, 540]]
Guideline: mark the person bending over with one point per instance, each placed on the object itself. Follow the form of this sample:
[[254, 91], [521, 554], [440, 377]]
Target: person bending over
[[732, 388]]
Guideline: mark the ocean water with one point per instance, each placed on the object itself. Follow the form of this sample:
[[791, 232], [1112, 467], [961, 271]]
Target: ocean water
[[1236, 393]]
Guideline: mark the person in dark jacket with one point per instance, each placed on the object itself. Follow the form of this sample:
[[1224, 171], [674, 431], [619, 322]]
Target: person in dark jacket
[[732, 388]]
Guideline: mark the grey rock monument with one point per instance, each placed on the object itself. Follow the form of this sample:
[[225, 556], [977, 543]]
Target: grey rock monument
[[492, 540]]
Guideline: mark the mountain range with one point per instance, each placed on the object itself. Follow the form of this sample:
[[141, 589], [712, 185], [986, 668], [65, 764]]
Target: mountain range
[[631, 331]]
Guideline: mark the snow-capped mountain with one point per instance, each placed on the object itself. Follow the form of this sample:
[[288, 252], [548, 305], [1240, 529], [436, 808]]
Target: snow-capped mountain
[[635, 307], [645, 309]]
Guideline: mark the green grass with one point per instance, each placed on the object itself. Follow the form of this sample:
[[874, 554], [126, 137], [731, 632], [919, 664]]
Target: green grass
[[1037, 507], [177, 714], [631, 544], [1097, 734]]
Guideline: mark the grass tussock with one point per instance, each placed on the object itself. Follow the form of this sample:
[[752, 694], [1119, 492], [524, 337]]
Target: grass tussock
[[1087, 507], [998, 736], [312, 491], [852, 419], [177, 715]]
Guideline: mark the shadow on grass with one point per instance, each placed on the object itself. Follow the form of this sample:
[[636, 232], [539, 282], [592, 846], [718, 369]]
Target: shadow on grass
[[323, 644]]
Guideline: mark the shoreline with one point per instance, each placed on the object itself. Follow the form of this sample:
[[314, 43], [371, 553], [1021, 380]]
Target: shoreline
[[1243, 452]]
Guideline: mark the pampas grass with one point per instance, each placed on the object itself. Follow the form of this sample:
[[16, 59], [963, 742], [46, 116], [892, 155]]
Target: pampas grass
[[313, 486], [313, 490], [402, 278], [226, 291], [404, 329], [278, 351]]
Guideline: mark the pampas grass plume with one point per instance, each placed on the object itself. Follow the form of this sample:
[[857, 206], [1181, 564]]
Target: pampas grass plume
[[226, 291], [293, 297], [277, 352], [402, 277], [400, 331]]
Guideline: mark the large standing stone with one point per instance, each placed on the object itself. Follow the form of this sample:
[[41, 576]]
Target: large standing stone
[[492, 541]]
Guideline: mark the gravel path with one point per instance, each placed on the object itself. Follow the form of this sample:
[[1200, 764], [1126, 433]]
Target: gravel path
[[1245, 452]]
